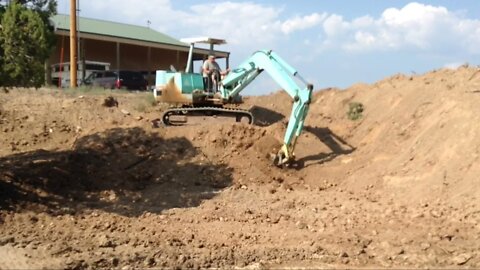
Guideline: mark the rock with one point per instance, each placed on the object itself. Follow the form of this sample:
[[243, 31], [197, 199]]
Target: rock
[[103, 241], [149, 261], [125, 112], [156, 123], [286, 187], [417, 215], [69, 261], [255, 266], [447, 236], [182, 259], [300, 225], [462, 259], [115, 261], [6, 240], [138, 118], [34, 219], [112, 196], [425, 246], [278, 179]]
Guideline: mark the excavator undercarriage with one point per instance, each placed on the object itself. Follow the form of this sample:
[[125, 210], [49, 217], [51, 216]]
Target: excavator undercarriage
[[179, 116]]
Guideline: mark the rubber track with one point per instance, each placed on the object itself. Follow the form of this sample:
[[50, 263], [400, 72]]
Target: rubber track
[[204, 110]]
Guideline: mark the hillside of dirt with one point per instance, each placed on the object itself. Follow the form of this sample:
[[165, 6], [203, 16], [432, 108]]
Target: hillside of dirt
[[87, 186]]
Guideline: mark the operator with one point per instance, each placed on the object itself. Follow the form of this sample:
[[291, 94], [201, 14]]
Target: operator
[[211, 73]]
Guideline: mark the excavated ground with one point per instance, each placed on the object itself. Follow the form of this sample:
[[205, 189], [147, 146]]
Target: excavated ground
[[83, 185]]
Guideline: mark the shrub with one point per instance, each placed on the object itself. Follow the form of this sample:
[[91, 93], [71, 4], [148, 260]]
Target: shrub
[[355, 110]]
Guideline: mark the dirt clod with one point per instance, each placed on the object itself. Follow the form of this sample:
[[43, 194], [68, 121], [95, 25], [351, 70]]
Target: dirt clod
[[110, 102]]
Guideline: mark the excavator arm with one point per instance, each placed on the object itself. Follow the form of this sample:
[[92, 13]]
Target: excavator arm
[[283, 74]]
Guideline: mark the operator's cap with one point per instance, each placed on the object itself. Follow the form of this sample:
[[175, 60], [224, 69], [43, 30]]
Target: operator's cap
[[210, 56]]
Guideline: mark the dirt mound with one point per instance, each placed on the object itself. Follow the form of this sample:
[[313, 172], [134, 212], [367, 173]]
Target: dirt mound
[[417, 137], [83, 185], [33, 119]]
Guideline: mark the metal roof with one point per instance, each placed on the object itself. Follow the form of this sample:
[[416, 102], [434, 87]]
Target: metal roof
[[125, 33], [114, 29]]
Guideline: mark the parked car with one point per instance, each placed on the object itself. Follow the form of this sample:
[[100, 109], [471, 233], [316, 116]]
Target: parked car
[[122, 79], [60, 72]]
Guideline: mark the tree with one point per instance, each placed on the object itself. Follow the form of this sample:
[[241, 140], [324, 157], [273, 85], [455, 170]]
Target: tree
[[25, 42], [46, 9]]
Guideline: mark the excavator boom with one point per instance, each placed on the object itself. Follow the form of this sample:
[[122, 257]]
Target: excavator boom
[[283, 74]]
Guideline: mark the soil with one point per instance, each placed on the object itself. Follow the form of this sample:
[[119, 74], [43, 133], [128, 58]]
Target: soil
[[87, 184]]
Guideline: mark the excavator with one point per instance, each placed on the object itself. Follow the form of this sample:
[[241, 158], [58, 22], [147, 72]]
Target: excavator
[[188, 94]]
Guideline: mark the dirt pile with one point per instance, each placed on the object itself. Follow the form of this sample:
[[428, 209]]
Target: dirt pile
[[87, 186], [418, 134], [33, 119], [418, 137]]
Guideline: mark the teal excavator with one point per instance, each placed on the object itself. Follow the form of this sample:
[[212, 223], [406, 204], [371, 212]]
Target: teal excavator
[[188, 95]]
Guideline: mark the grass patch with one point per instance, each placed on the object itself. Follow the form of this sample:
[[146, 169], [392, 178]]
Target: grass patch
[[88, 90], [150, 99], [144, 102]]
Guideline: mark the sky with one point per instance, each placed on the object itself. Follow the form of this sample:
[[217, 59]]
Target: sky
[[330, 43]]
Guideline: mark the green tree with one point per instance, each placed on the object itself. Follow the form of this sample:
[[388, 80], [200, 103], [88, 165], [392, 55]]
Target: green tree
[[24, 39], [46, 9]]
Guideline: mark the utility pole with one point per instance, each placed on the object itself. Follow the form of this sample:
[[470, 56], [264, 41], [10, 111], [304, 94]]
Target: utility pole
[[73, 43], [80, 47]]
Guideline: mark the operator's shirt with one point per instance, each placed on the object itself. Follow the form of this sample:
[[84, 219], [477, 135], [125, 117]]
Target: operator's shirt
[[210, 66]]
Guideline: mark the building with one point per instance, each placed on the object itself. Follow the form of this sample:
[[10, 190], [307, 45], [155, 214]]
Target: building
[[119, 46]]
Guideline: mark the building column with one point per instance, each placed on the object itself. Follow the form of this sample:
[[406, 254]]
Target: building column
[[149, 65], [118, 56], [82, 58], [73, 44], [177, 63]]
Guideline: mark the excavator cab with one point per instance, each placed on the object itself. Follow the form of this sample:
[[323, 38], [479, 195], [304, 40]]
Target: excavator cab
[[188, 88]]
